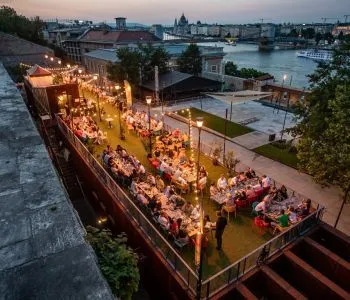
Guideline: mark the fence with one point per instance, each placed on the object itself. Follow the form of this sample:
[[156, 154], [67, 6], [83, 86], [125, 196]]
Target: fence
[[222, 279], [187, 275], [233, 272]]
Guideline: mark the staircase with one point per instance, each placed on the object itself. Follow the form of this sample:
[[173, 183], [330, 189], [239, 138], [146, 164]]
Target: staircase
[[71, 181]]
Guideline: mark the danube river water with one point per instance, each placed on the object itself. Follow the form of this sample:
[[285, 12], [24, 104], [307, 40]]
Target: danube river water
[[276, 62]]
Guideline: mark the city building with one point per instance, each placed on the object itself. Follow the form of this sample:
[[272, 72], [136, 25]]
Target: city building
[[97, 61], [120, 23], [157, 30], [181, 27], [14, 50], [94, 39]]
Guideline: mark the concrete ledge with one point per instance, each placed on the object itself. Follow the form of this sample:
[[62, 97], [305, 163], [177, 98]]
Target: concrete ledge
[[43, 254]]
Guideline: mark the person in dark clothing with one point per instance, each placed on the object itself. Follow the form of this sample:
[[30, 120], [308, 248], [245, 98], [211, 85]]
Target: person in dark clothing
[[221, 223]]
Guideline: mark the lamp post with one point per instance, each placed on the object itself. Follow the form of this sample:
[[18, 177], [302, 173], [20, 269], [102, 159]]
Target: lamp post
[[98, 101], [279, 102], [285, 115], [149, 101], [198, 247], [121, 134]]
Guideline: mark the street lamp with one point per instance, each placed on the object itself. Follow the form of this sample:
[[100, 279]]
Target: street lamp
[[198, 248], [46, 56], [98, 100], [68, 65], [59, 62], [279, 100], [285, 115], [51, 58], [80, 71], [149, 101]]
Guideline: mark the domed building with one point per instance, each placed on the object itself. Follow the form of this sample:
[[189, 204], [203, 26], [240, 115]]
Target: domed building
[[182, 27]]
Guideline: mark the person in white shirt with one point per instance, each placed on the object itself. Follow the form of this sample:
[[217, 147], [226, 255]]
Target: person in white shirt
[[178, 173], [261, 207], [141, 198], [133, 187], [164, 221], [234, 181], [213, 190], [265, 181], [202, 182], [141, 169], [222, 183], [163, 166]]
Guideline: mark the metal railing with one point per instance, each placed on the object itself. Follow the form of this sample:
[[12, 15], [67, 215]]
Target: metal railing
[[177, 263], [225, 277], [232, 273]]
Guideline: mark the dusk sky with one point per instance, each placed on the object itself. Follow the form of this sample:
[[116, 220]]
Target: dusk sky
[[165, 11]]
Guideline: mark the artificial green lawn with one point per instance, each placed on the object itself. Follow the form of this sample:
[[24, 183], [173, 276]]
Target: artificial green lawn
[[281, 155], [241, 235], [216, 123]]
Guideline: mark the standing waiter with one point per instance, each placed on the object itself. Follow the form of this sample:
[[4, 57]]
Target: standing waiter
[[221, 223]]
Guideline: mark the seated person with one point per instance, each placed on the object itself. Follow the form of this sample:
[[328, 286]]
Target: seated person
[[250, 173], [202, 182], [163, 220], [283, 220], [182, 238], [169, 169], [160, 183], [242, 177], [141, 198], [195, 213], [178, 173], [265, 181], [157, 152], [305, 209], [164, 166], [293, 218], [133, 187], [261, 207], [234, 181], [250, 192], [222, 183], [175, 227], [241, 195], [154, 191], [213, 190], [167, 190], [191, 163], [261, 221], [187, 208], [282, 193], [151, 179]]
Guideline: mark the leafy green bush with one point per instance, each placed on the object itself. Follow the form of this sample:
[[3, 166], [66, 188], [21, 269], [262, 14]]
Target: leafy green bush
[[118, 262]]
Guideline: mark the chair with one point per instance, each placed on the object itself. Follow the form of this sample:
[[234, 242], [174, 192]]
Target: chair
[[278, 228], [254, 213], [230, 209]]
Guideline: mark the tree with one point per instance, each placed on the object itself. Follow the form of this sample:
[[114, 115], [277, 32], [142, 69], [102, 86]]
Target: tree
[[190, 60], [118, 263], [250, 73], [231, 69], [141, 61], [324, 127], [341, 36], [329, 38], [318, 38], [11, 22], [293, 33], [308, 33]]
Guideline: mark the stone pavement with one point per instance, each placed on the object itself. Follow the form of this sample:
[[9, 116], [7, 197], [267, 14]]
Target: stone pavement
[[43, 253], [293, 179], [252, 140]]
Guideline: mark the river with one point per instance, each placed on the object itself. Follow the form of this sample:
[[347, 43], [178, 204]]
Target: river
[[276, 62]]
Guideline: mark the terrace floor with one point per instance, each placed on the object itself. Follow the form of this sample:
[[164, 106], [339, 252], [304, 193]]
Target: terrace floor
[[241, 235]]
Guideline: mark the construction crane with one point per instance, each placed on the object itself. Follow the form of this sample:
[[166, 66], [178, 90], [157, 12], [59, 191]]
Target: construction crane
[[325, 19]]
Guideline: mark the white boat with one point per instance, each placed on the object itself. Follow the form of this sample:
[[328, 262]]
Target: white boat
[[320, 55]]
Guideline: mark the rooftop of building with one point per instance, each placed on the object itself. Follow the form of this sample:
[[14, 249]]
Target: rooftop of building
[[14, 45], [104, 54], [118, 36], [43, 253]]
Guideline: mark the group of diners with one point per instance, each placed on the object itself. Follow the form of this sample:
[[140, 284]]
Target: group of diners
[[276, 209], [139, 122], [177, 217], [85, 128]]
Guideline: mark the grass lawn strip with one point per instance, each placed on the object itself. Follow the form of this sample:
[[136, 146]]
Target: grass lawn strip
[[216, 123], [281, 155]]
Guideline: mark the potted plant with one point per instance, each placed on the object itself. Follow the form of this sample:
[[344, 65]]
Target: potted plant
[[230, 163], [217, 154]]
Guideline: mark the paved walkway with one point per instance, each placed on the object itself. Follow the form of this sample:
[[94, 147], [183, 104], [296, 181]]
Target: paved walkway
[[252, 140], [299, 182]]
